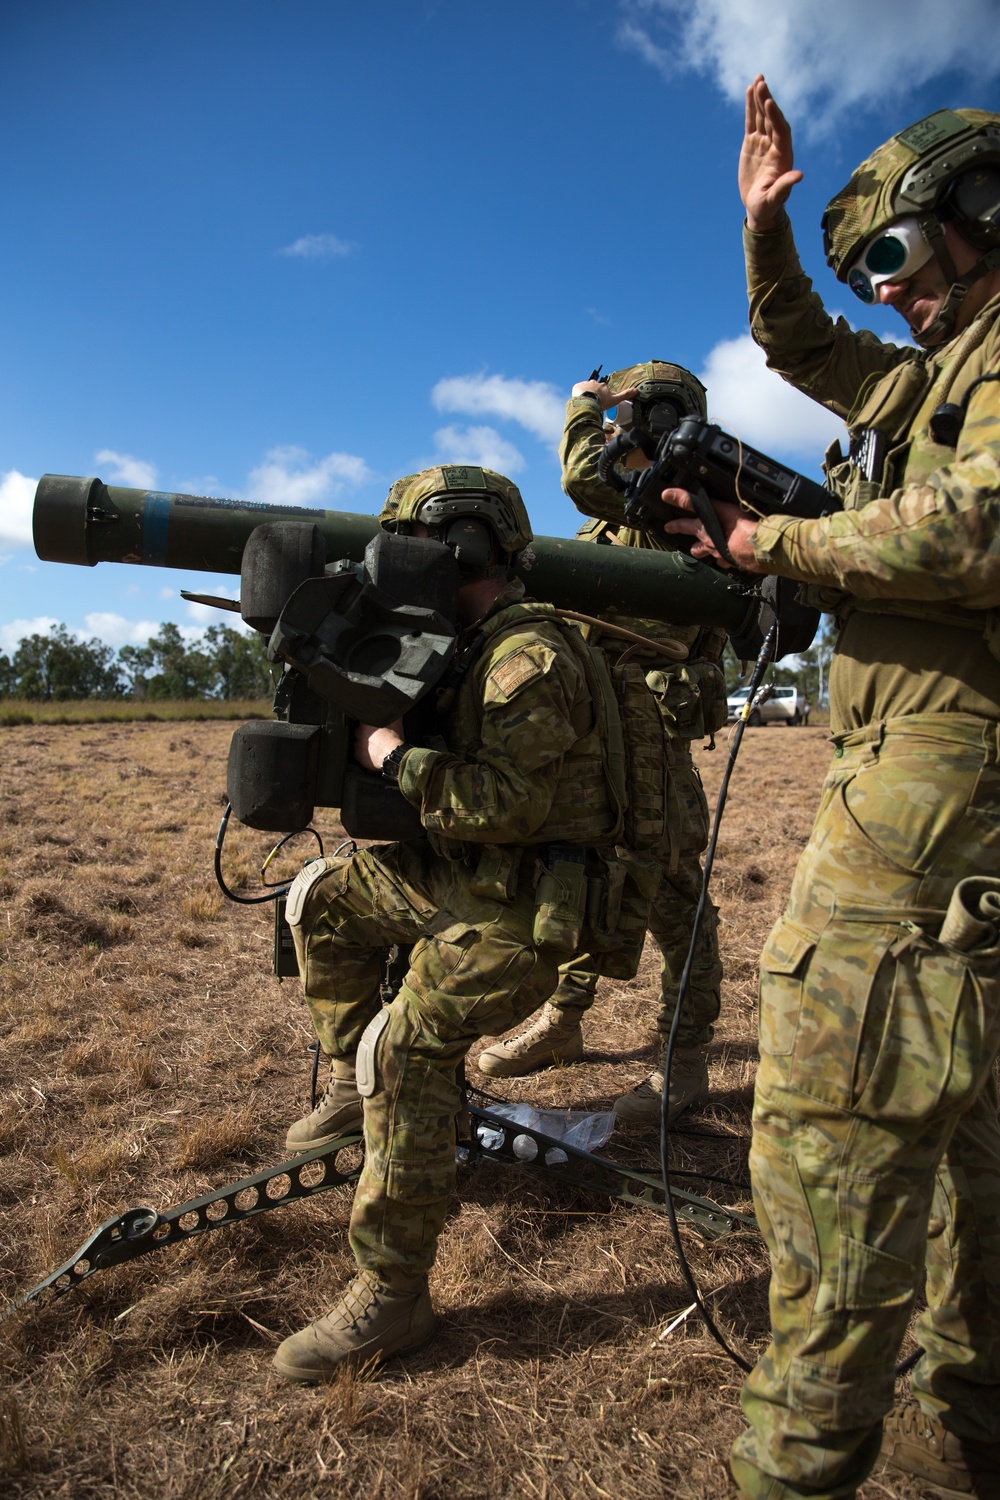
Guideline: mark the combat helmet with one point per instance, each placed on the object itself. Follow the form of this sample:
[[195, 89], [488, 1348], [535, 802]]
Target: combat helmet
[[945, 167], [665, 394], [472, 510]]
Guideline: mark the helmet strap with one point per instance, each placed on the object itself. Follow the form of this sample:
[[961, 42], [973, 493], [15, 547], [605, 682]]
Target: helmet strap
[[943, 325]]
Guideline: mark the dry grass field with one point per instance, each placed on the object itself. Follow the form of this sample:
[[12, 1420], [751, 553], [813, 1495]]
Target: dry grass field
[[149, 1055]]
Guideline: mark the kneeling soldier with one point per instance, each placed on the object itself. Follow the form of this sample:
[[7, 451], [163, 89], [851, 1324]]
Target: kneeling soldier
[[521, 817]]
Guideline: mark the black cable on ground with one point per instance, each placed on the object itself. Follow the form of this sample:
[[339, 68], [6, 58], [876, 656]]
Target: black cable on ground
[[760, 667], [230, 895]]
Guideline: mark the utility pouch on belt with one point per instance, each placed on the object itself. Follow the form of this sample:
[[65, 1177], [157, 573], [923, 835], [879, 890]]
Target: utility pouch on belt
[[972, 921], [497, 872], [561, 898]]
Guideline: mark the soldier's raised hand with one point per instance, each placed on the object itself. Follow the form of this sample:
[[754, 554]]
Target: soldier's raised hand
[[766, 174]]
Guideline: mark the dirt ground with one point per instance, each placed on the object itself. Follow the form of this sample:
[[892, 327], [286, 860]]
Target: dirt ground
[[149, 1055]]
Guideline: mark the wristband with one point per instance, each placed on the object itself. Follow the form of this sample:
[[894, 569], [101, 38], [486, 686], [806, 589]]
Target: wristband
[[391, 764]]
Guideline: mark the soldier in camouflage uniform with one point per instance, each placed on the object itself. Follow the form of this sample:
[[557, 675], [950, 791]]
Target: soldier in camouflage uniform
[[522, 779], [876, 1147], [691, 694]]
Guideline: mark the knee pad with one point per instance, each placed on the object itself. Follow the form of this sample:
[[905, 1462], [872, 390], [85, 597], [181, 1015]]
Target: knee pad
[[302, 887], [366, 1073]]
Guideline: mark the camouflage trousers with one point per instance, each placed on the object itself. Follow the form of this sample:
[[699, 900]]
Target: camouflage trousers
[[876, 1142], [473, 970], [671, 918]]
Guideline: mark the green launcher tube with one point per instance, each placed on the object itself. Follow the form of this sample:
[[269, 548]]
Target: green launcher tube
[[85, 521]]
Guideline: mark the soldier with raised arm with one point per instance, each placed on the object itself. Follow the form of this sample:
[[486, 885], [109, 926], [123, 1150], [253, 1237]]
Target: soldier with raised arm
[[876, 1150]]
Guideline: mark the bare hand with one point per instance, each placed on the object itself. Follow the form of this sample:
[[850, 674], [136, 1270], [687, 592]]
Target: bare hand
[[371, 746], [737, 528], [766, 174], [599, 389]]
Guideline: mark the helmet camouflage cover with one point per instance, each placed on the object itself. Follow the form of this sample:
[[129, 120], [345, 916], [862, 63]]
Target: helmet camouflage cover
[[908, 175], [451, 490], [658, 381]]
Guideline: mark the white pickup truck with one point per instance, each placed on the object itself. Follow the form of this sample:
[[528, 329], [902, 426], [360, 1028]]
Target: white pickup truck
[[775, 705]]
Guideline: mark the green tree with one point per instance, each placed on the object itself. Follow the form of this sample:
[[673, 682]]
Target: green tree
[[175, 669], [59, 666], [239, 663]]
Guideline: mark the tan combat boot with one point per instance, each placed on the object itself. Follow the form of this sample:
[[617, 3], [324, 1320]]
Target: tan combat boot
[[339, 1112], [915, 1443], [688, 1086], [555, 1037], [371, 1321]]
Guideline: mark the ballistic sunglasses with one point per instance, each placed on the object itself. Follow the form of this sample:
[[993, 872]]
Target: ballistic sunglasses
[[892, 256]]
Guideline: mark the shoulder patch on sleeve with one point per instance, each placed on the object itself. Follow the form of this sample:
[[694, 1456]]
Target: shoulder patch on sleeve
[[515, 672]]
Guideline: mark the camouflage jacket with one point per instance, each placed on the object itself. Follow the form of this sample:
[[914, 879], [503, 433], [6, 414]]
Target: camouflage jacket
[[525, 758], [692, 693], [917, 545]]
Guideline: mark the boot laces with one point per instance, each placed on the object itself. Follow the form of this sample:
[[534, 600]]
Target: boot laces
[[327, 1096], [547, 1023], [359, 1299], [911, 1421]]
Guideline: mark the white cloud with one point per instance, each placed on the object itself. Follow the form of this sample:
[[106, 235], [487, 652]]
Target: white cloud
[[211, 614], [17, 494], [318, 247], [478, 445], [136, 473], [755, 404], [202, 484], [289, 477], [534, 404], [115, 630], [822, 61], [15, 630]]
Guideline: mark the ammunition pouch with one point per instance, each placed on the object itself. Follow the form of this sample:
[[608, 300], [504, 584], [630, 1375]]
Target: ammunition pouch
[[691, 698], [497, 872], [561, 898]]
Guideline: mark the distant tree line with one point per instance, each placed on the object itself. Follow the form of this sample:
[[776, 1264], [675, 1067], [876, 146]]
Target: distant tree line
[[225, 664]]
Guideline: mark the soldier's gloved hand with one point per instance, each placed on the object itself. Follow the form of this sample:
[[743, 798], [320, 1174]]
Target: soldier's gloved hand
[[371, 745], [737, 529], [766, 175]]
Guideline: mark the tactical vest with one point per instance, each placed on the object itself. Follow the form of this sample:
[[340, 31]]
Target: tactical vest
[[614, 782], [891, 448]]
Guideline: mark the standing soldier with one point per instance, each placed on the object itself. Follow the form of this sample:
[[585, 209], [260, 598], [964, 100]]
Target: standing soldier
[[691, 695], [521, 815], [876, 1147]]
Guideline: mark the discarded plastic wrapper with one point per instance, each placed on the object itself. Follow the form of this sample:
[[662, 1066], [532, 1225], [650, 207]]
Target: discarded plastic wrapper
[[574, 1126]]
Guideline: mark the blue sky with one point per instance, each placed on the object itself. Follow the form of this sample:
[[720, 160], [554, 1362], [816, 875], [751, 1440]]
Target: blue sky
[[292, 249]]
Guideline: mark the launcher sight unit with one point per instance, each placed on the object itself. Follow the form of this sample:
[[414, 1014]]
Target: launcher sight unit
[[687, 453], [711, 465], [365, 636]]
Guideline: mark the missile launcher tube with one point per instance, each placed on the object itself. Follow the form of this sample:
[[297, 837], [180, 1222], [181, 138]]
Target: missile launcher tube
[[84, 521]]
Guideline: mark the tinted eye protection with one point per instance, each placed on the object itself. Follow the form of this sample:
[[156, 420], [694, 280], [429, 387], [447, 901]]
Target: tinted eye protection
[[891, 256]]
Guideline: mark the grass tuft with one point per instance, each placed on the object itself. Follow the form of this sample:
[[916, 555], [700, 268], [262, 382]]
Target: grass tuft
[[211, 1142], [14, 1455]]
